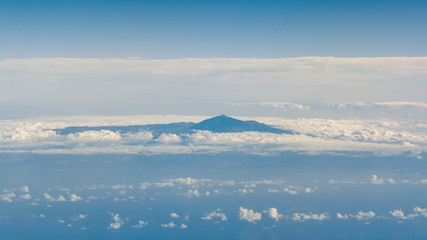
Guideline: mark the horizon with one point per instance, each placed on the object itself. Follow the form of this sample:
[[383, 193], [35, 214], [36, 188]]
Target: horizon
[[213, 119]]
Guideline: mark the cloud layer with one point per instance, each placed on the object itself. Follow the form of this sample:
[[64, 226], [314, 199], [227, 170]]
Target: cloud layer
[[133, 85], [312, 135]]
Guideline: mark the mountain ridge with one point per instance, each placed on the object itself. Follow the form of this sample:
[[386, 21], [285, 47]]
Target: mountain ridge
[[218, 124]]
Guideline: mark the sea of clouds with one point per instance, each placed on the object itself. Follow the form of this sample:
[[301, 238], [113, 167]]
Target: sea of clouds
[[380, 136]]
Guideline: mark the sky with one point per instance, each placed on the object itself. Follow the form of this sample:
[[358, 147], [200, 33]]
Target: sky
[[347, 78], [205, 29], [201, 57]]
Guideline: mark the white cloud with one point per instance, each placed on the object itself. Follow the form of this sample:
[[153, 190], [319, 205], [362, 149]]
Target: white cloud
[[169, 138], [215, 214], [74, 198], [25, 196], [164, 184], [316, 135], [249, 215], [25, 189], [193, 193], [398, 213], [117, 222], [90, 136], [376, 180], [140, 224], [293, 190], [183, 226], [174, 215], [363, 215], [48, 197], [421, 211], [61, 198], [342, 216], [244, 191], [303, 217], [272, 213], [7, 197], [79, 217], [169, 225]]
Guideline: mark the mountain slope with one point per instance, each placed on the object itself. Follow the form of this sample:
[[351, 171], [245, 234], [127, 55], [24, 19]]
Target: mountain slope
[[224, 123]]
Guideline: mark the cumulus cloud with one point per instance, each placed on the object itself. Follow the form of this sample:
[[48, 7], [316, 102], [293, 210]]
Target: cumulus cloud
[[342, 216], [74, 198], [215, 214], [398, 213], [25, 189], [192, 192], [421, 211], [376, 180], [169, 138], [7, 197], [293, 190], [174, 215], [140, 224], [244, 191], [79, 217], [89, 136], [183, 226], [25, 196], [272, 213], [304, 217], [168, 225], [117, 222], [249, 215], [363, 215]]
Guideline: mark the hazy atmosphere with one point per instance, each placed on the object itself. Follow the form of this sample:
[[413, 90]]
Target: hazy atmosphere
[[213, 119]]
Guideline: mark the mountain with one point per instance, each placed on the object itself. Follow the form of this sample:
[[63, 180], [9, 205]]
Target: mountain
[[223, 123], [219, 124]]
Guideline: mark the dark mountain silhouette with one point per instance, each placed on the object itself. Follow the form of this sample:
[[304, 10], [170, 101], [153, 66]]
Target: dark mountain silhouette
[[223, 123], [219, 124]]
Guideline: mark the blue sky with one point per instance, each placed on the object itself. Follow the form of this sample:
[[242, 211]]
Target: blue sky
[[180, 29]]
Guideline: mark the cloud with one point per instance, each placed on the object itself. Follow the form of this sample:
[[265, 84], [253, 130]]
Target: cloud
[[293, 190], [25, 196], [376, 180], [140, 224], [113, 81], [244, 191], [249, 215], [191, 193], [398, 213], [75, 198], [25, 189], [90, 136], [61, 198], [117, 222], [183, 226], [342, 216], [363, 215], [215, 214], [164, 184], [421, 211], [169, 138], [79, 217], [314, 135], [272, 213], [303, 217], [7, 197], [174, 215], [169, 225]]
